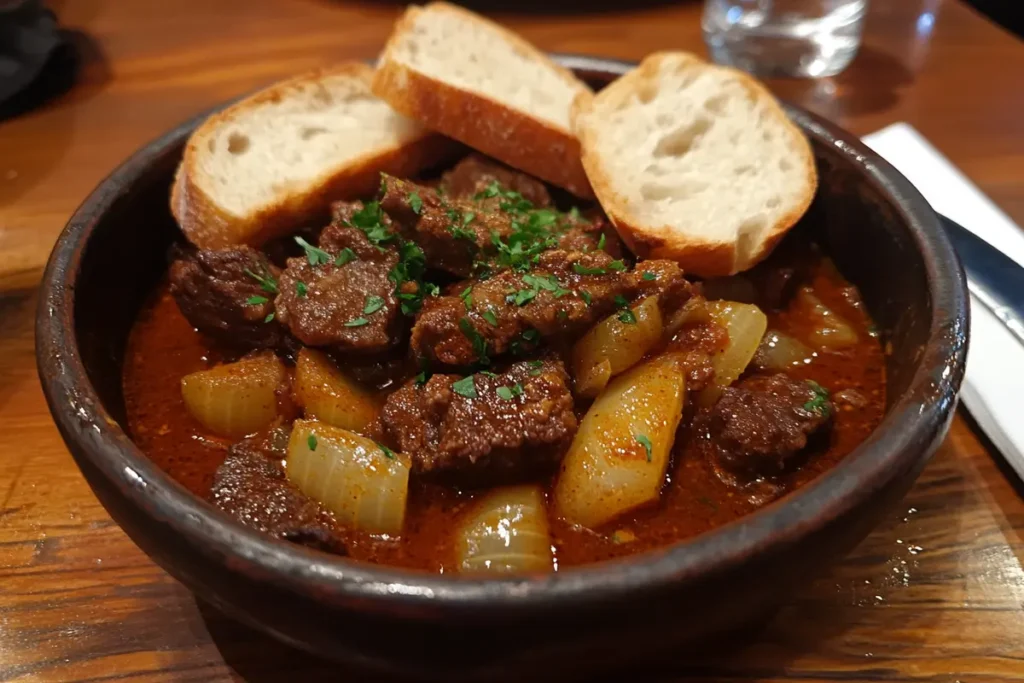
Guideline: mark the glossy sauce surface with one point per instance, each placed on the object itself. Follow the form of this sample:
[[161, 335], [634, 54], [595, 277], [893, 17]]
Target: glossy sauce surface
[[163, 348]]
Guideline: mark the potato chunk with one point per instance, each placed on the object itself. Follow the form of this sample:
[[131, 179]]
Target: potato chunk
[[235, 399], [618, 459], [326, 394]]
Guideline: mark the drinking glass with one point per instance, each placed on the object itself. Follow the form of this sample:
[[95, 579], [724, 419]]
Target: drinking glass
[[803, 38]]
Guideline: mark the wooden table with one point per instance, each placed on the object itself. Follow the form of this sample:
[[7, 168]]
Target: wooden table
[[936, 593]]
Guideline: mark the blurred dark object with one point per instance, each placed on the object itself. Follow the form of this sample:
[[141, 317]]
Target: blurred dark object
[[28, 35], [1006, 13]]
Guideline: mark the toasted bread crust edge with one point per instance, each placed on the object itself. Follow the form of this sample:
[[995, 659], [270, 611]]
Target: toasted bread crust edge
[[699, 257], [208, 226], [480, 122]]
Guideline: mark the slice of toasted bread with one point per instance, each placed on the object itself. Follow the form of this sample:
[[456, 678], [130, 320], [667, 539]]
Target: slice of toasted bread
[[265, 165], [477, 82], [695, 162]]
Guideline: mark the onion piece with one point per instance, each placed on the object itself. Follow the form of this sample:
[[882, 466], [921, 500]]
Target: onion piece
[[506, 531], [746, 325], [235, 399], [618, 459], [780, 351], [326, 394], [363, 484], [612, 346], [831, 331]]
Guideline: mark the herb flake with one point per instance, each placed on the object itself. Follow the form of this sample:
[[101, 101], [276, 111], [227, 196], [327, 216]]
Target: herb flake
[[267, 282], [315, 255], [646, 443], [465, 387], [373, 304], [345, 256], [818, 404], [357, 322]]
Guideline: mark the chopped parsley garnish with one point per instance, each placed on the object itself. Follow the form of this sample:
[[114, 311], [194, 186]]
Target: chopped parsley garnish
[[601, 241], [580, 269], [370, 219], [344, 256], [269, 318], [649, 276], [585, 295], [465, 387], [267, 282], [479, 343], [257, 300], [300, 288], [415, 203], [617, 265], [311, 442], [373, 304], [410, 268], [562, 315], [524, 296], [462, 234], [356, 322], [425, 373], [574, 214], [508, 393], [315, 255], [818, 404], [537, 283], [489, 316], [645, 442], [487, 373], [548, 282], [535, 367], [467, 297], [530, 335], [625, 315], [512, 202], [388, 453]]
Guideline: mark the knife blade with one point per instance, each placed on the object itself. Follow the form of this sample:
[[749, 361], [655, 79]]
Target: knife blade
[[995, 280]]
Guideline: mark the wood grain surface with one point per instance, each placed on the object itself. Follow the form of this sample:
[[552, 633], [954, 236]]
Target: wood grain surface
[[935, 594]]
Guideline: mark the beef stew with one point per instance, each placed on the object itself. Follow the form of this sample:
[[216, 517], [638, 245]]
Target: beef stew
[[476, 361]]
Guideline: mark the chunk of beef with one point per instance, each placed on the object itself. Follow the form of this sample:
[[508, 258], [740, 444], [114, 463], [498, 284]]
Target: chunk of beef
[[453, 233], [761, 426], [559, 298], [349, 305], [475, 174], [515, 424], [252, 487], [584, 234], [699, 341], [219, 291], [461, 235]]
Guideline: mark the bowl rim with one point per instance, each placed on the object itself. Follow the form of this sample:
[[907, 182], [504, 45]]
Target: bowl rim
[[907, 431]]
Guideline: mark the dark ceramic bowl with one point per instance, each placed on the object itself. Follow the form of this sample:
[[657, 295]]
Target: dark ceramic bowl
[[875, 225]]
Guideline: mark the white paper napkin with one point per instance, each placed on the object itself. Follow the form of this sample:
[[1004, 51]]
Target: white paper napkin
[[995, 360]]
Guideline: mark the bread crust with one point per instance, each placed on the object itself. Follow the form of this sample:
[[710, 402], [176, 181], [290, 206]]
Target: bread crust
[[706, 258], [209, 226], [505, 133]]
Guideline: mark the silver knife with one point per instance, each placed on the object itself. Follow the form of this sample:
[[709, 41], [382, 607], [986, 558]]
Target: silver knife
[[995, 280]]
